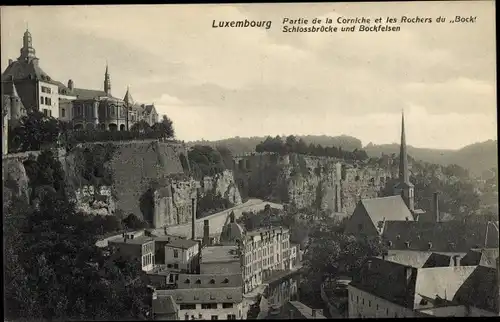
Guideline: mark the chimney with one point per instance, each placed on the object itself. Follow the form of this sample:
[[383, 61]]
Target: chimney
[[435, 205], [206, 232], [231, 217], [291, 314], [70, 84], [408, 274], [10, 62], [456, 260], [313, 313], [193, 219]]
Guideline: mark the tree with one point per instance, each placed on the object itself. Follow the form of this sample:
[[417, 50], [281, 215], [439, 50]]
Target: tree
[[141, 127], [165, 128], [132, 222], [34, 131]]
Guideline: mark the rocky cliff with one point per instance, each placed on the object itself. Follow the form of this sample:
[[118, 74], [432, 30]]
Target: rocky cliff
[[15, 180], [309, 182], [222, 184]]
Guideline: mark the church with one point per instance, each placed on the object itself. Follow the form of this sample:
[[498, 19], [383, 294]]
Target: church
[[82, 108], [403, 227]]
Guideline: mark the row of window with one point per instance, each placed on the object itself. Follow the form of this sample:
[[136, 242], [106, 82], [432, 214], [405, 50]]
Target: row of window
[[147, 260], [45, 101], [370, 305], [213, 317], [46, 89], [148, 248], [47, 112], [206, 306]]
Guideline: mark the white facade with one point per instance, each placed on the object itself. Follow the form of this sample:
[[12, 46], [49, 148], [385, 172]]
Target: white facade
[[180, 258], [365, 305], [265, 251], [48, 99], [148, 256], [208, 311]]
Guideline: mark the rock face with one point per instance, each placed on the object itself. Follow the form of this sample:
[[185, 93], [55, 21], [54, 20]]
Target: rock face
[[223, 184], [307, 181], [95, 200]]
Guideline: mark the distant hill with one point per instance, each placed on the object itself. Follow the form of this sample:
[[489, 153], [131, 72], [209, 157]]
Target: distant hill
[[242, 145], [477, 157]]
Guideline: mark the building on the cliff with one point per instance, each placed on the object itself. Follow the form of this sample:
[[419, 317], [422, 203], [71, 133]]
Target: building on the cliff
[[388, 289], [135, 247], [220, 260], [99, 109], [36, 89], [83, 108], [201, 297]]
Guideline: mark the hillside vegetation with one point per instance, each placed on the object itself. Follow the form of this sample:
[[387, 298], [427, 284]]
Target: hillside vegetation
[[477, 157]]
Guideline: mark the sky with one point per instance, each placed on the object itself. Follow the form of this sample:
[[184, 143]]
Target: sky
[[217, 83]]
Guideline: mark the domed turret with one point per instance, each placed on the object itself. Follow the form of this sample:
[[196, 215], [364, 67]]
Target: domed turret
[[232, 232]]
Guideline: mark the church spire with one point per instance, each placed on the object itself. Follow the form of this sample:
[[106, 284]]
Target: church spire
[[27, 51], [404, 176], [107, 81]]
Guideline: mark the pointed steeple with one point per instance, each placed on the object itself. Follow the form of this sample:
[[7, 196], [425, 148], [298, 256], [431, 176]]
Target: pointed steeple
[[107, 81], [128, 98], [27, 51], [13, 92], [404, 175]]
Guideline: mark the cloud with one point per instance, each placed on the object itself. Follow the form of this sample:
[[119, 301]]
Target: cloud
[[221, 82]]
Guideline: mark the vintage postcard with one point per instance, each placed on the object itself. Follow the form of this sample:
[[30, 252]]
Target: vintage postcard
[[250, 161]]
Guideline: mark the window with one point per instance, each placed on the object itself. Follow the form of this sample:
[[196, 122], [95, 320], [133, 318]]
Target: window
[[212, 281], [41, 100], [387, 311], [188, 306], [209, 306], [360, 226], [363, 301], [215, 317], [357, 299], [377, 306], [186, 317], [47, 101], [369, 303], [176, 266], [227, 305], [45, 112], [176, 253], [63, 113], [231, 316]]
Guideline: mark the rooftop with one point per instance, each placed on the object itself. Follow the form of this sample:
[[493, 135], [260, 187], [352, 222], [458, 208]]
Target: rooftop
[[218, 254], [386, 209], [305, 311], [176, 242], [204, 295], [264, 230], [209, 281]]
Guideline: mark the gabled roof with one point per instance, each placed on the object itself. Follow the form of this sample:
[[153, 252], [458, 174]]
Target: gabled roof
[[450, 236], [128, 97], [148, 109], [387, 209], [442, 282], [82, 93], [480, 289]]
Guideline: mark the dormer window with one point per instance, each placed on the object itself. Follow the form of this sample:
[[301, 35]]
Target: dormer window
[[212, 297], [198, 281], [423, 302], [212, 281], [225, 281], [398, 237], [187, 281]]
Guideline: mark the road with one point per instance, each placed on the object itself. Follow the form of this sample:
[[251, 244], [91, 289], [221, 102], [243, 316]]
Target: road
[[217, 221]]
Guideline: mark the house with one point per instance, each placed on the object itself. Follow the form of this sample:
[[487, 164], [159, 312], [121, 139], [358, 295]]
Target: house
[[371, 215], [450, 236], [483, 256], [201, 297], [220, 260], [423, 259], [136, 248], [181, 255], [388, 289]]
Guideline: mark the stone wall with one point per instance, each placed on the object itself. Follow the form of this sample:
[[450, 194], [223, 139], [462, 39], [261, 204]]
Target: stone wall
[[15, 180]]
